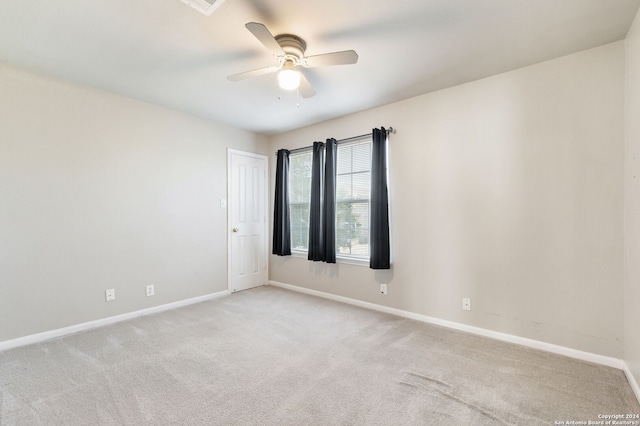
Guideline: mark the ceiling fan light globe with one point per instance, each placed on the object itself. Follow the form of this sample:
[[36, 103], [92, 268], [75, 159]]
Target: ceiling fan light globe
[[289, 79]]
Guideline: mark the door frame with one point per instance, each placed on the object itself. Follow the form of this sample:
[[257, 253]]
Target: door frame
[[230, 153]]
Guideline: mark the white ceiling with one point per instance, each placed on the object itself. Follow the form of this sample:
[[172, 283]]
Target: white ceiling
[[165, 53]]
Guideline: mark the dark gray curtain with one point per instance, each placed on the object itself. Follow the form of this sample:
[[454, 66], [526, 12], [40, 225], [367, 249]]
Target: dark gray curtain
[[316, 226], [329, 207], [281, 216], [380, 257]]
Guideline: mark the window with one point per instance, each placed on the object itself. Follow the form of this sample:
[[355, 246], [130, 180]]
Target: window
[[353, 186], [299, 196]]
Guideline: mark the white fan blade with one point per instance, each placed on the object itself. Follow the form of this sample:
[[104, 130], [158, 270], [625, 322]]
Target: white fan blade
[[266, 38], [253, 73], [346, 57], [305, 88]]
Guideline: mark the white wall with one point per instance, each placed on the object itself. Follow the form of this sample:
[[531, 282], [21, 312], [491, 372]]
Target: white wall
[[632, 203], [507, 190], [98, 191]]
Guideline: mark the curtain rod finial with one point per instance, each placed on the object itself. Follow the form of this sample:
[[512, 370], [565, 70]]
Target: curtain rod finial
[[391, 130]]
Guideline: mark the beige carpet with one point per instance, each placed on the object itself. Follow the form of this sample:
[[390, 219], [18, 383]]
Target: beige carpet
[[268, 356]]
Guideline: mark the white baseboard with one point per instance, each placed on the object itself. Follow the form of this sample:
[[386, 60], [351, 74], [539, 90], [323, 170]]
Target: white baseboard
[[536, 344], [40, 337], [632, 381]]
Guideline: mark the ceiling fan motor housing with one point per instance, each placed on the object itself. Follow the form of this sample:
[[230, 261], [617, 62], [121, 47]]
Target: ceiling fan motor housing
[[293, 46]]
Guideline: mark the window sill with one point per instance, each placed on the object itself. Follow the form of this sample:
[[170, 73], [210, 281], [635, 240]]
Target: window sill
[[298, 253], [339, 259], [352, 260]]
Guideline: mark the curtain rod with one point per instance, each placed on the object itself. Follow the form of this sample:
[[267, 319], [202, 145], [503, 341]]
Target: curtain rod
[[352, 138]]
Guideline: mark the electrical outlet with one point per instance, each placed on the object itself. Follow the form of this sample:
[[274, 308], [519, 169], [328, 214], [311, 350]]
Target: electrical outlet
[[466, 304], [383, 288], [150, 290], [110, 295]]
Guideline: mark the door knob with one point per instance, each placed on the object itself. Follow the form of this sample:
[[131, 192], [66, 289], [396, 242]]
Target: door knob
[[235, 229]]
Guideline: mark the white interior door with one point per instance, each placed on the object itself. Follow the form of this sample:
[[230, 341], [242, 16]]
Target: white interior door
[[247, 220]]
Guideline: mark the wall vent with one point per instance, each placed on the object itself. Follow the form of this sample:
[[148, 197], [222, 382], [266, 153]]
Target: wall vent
[[205, 7]]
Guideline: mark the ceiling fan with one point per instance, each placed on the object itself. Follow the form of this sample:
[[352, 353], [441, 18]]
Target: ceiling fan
[[289, 49]]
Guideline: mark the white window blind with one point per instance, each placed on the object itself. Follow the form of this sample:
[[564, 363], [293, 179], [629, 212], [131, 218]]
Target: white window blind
[[299, 196], [353, 186]]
